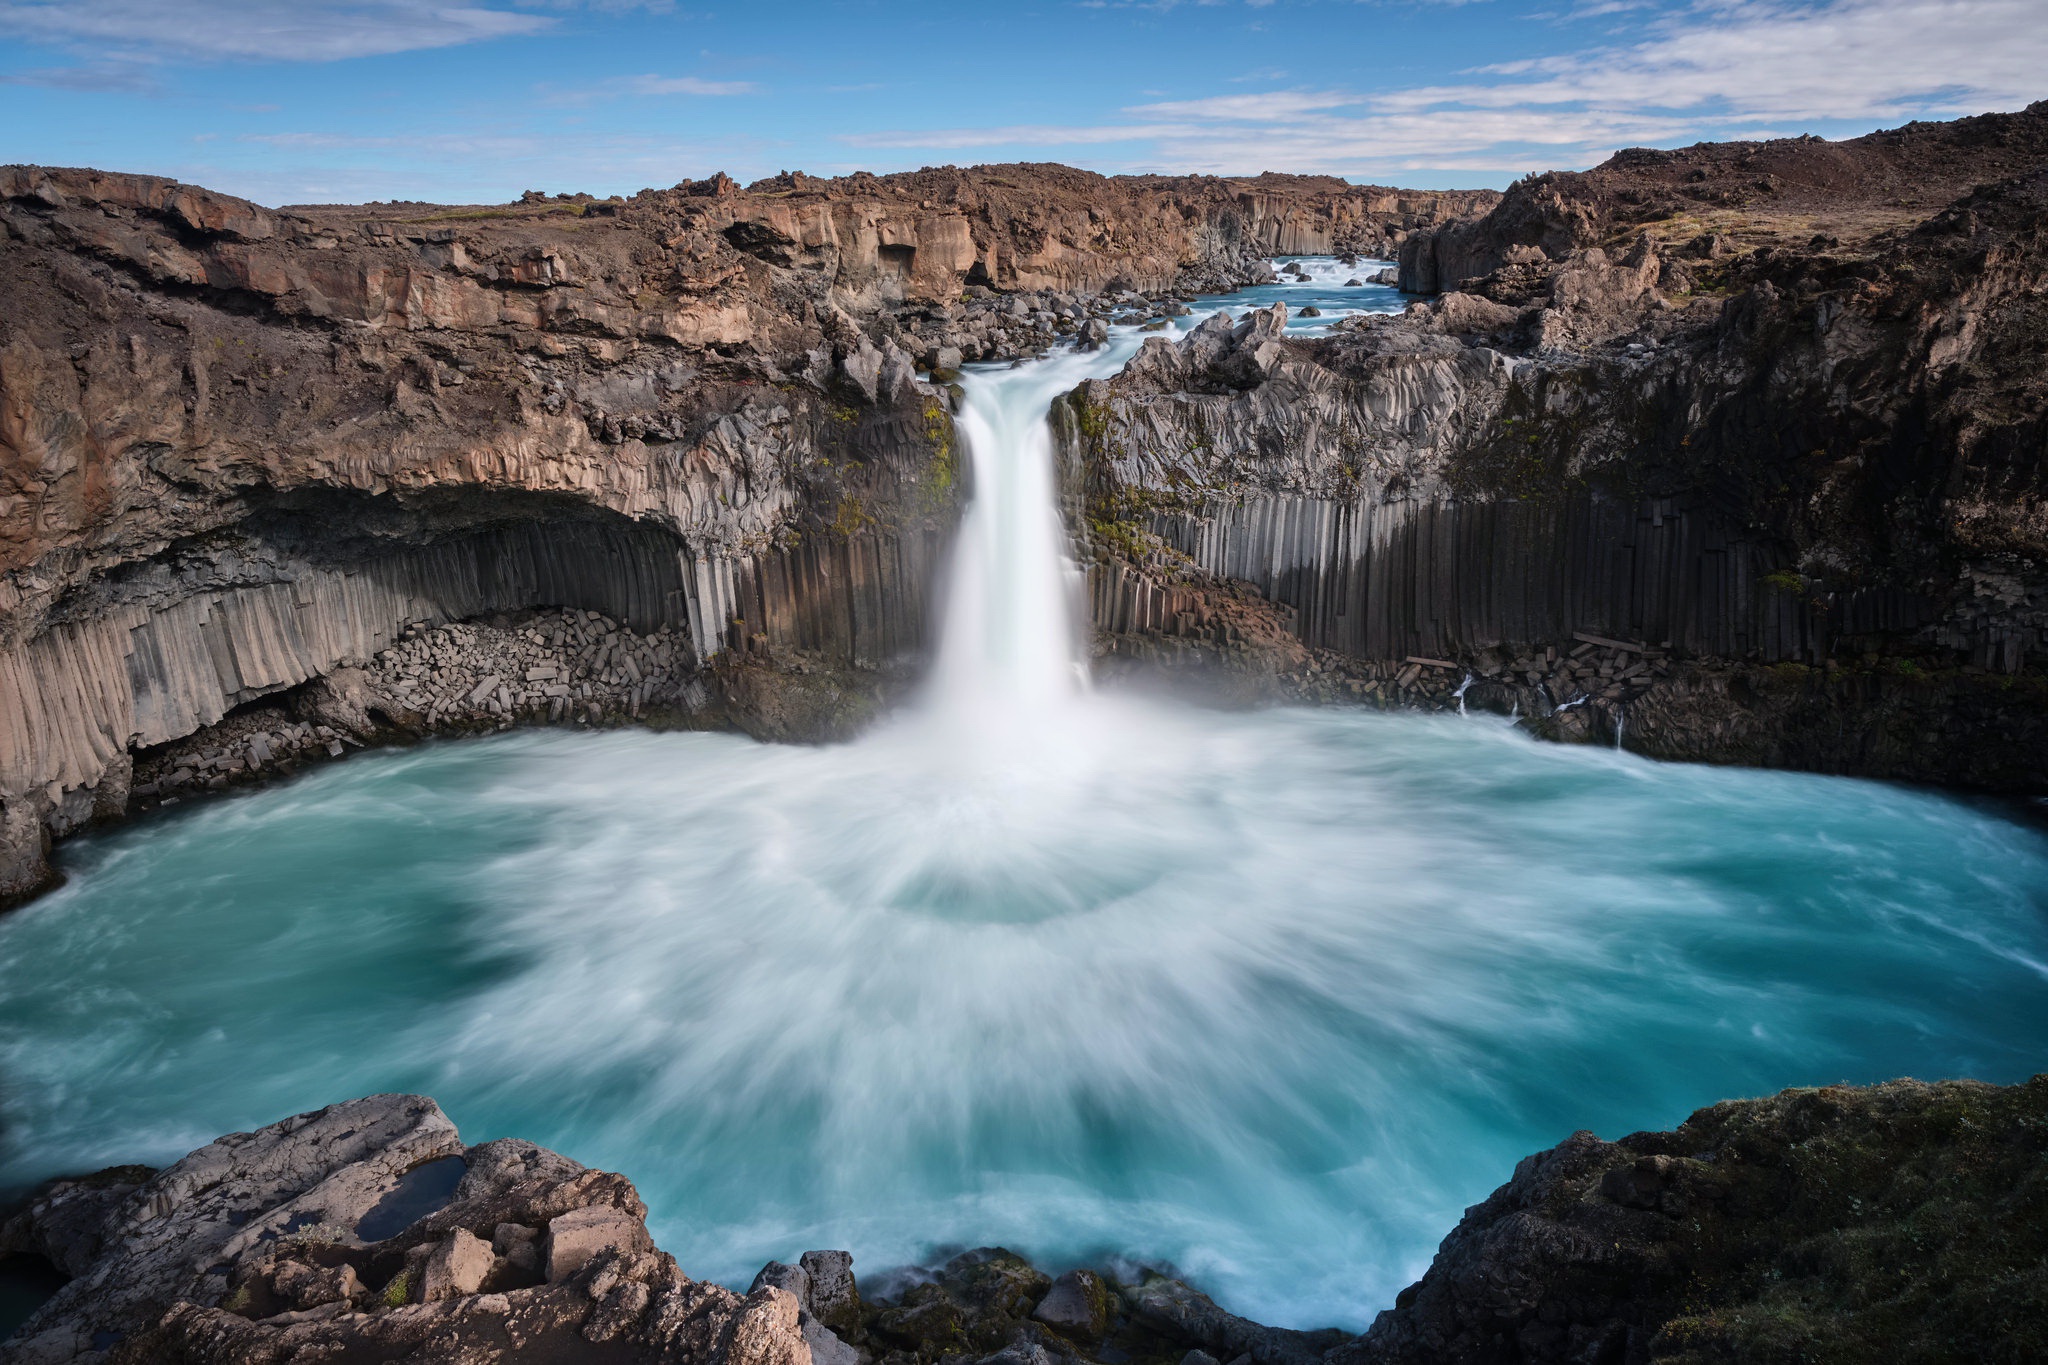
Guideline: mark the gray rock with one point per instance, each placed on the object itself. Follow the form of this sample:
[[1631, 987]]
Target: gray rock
[[792, 1278], [826, 1347], [157, 1244], [1078, 1306], [254, 1250], [1171, 1306], [834, 1297]]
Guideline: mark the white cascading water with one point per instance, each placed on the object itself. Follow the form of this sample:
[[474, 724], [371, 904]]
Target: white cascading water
[[1010, 645]]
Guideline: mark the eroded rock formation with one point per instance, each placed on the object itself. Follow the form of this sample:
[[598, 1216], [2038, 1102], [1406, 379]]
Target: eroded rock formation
[[241, 448], [1904, 1221], [1808, 470]]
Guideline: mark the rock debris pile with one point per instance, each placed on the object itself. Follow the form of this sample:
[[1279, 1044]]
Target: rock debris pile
[[570, 665], [557, 667]]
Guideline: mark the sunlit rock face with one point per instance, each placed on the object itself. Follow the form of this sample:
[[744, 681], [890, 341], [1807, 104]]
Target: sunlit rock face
[[1657, 412]]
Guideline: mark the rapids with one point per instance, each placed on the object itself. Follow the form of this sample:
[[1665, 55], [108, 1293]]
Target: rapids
[[1268, 996]]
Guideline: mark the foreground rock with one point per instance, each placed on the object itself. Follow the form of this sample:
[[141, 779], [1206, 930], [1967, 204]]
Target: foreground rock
[[1904, 1220], [1899, 1222], [369, 1231], [1769, 419]]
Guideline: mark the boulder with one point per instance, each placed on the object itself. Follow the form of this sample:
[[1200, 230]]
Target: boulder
[[456, 1267], [575, 1237], [1079, 1305], [834, 1297]]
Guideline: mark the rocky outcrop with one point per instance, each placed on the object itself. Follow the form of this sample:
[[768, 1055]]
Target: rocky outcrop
[[1811, 480], [1730, 197], [1904, 1221], [241, 448], [1832, 1224], [369, 1231]]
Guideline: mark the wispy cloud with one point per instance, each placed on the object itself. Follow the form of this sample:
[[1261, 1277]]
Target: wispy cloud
[[1012, 135], [1718, 68], [260, 30], [1766, 59], [116, 78], [644, 87], [463, 166], [685, 85]]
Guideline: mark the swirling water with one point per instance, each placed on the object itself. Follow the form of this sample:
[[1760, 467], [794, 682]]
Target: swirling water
[[1269, 996]]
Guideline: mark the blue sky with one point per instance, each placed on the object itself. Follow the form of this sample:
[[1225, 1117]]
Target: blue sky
[[292, 101]]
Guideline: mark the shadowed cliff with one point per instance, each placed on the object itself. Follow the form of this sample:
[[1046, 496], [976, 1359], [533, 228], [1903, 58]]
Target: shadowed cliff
[[1802, 471]]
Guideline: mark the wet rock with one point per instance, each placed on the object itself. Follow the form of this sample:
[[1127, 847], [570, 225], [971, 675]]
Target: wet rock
[[1079, 1305], [159, 1242], [1173, 1307], [834, 1295]]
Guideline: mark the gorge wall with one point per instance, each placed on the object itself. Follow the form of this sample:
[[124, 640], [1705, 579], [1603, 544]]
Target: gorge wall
[[1753, 410], [241, 448]]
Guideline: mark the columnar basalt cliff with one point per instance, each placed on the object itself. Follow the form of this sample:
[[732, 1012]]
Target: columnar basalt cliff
[[1830, 1225], [241, 448], [1764, 423]]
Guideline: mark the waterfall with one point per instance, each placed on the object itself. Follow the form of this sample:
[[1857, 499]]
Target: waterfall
[[1012, 638]]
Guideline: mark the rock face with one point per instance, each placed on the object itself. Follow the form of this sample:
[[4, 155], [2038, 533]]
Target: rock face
[[1835, 1224], [1905, 1221], [1805, 472], [241, 448]]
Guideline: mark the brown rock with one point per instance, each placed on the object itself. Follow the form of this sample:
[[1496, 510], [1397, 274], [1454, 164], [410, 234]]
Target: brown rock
[[574, 1237], [456, 1268]]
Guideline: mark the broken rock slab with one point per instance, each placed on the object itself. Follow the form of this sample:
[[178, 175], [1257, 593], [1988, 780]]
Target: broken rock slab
[[341, 1234]]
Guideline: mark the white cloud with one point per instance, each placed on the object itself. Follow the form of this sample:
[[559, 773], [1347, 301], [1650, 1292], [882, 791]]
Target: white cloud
[[620, 87], [117, 78], [1013, 135], [1749, 59], [685, 85], [1720, 68], [260, 30], [1271, 106]]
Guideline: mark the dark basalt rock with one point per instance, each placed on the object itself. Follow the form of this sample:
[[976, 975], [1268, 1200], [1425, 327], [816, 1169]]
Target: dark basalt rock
[[1803, 469], [1900, 1222]]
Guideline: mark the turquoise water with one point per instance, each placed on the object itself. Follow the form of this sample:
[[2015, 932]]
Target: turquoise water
[[1324, 288], [1268, 996]]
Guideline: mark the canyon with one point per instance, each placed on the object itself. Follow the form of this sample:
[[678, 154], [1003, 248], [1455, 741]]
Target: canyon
[[1730, 454], [1759, 423], [241, 449]]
